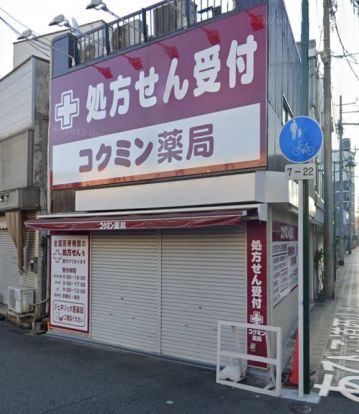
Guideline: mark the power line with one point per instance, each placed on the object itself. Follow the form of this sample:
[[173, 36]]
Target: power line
[[43, 46], [12, 17], [10, 26], [346, 54], [23, 25], [343, 47]]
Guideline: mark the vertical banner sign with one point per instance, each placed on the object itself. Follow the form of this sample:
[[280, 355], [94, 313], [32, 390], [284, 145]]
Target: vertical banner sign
[[256, 289], [284, 260], [69, 308]]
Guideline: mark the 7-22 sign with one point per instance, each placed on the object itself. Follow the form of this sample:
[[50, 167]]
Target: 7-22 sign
[[300, 171]]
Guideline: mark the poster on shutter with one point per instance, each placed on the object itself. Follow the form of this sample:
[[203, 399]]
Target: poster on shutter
[[256, 289], [69, 307], [284, 260]]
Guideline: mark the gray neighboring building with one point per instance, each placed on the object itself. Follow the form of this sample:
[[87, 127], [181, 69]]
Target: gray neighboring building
[[24, 114], [24, 105]]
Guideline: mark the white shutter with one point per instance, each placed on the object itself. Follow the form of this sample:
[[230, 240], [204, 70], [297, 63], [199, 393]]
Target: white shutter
[[9, 274], [203, 281], [126, 290]]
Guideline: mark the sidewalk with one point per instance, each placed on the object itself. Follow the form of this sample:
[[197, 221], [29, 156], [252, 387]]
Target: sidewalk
[[335, 329], [40, 374], [43, 374]]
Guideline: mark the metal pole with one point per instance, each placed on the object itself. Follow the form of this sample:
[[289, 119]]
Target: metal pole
[[304, 333], [349, 179], [329, 215], [341, 192], [300, 292], [335, 224]]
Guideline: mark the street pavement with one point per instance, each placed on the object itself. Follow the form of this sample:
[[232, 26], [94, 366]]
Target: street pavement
[[44, 374], [339, 366]]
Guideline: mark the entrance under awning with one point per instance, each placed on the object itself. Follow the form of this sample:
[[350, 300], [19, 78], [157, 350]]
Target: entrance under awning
[[173, 220]]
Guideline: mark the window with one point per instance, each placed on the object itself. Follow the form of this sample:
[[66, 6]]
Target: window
[[286, 112]]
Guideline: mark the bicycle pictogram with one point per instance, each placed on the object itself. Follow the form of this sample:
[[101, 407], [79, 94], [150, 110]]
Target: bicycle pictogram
[[297, 135], [303, 149]]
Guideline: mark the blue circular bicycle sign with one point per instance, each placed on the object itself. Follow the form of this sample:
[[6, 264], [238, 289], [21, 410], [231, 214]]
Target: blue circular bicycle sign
[[300, 139]]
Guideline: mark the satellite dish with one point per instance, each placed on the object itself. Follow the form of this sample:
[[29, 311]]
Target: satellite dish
[[75, 25]]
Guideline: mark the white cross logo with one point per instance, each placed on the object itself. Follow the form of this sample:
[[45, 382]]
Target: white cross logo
[[256, 318], [57, 256], [67, 109]]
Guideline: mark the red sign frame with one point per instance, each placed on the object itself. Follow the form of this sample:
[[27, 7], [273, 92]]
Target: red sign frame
[[84, 144], [256, 288]]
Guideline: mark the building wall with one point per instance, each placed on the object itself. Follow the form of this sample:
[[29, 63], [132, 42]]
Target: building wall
[[283, 90], [285, 313], [23, 135], [283, 78], [15, 160], [62, 200], [9, 272], [15, 93], [24, 103], [40, 46], [41, 124]]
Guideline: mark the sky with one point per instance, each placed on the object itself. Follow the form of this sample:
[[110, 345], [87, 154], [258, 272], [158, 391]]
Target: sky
[[36, 14]]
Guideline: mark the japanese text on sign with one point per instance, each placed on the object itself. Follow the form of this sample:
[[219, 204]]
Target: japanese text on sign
[[189, 104], [207, 64], [69, 281], [168, 147], [256, 295], [284, 260]]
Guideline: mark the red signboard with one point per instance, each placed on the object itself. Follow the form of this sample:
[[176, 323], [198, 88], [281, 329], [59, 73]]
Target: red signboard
[[139, 222], [284, 232], [187, 104], [256, 288]]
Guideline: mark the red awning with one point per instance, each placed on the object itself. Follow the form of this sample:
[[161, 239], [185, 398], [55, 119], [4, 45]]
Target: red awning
[[139, 222]]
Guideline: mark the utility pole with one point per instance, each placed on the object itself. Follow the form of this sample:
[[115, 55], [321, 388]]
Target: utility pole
[[304, 104], [341, 189], [350, 189], [349, 180], [329, 246]]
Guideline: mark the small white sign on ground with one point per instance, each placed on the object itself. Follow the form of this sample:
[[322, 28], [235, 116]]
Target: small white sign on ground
[[300, 171]]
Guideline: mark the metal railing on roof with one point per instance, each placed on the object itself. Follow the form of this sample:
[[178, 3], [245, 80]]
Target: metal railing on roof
[[147, 24]]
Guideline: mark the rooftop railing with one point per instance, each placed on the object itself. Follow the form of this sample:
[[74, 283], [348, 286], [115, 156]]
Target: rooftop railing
[[145, 25]]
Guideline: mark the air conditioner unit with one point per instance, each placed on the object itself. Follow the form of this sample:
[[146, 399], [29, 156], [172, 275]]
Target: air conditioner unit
[[127, 35], [21, 300], [89, 49], [172, 16]]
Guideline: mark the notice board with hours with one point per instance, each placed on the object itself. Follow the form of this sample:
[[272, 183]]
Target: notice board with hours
[[70, 259], [284, 260]]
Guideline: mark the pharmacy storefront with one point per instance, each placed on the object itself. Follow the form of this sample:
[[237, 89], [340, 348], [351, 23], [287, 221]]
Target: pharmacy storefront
[[158, 284], [167, 235]]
